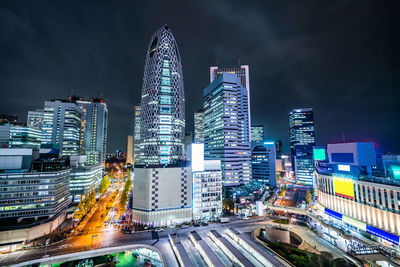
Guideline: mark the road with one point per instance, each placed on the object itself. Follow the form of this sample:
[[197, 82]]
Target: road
[[110, 236]]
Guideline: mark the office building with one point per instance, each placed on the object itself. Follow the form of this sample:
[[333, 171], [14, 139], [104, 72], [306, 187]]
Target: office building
[[83, 176], [242, 72], [226, 128], [129, 150], [353, 197], [62, 125], [162, 188], [35, 119], [199, 127], [257, 133], [263, 163], [162, 120], [302, 141], [391, 165], [32, 202], [136, 136], [207, 185], [94, 124], [19, 136], [279, 149]]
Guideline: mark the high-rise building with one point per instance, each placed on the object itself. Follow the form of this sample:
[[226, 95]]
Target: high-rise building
[[242, 72], [162, 188], [257, 133], [302, 141], [35, 119], [162, 124], [279, 149], [226, 128], [94, 123], [199, 127], [28, 195], [263, 163], [20, 136], [136, 136], [62, 125], [207, 185], [129, 150]]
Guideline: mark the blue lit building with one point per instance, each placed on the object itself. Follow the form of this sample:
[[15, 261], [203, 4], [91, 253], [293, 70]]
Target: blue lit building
[[257, 133], [226, 128], [302, 141], [263, 163], [62, 125]]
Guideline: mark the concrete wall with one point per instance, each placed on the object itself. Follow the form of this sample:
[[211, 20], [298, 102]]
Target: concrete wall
[[161, 195], [273, 234], [21, 235]]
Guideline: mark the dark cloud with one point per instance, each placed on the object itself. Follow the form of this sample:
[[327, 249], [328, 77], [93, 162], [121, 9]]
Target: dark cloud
[[339, 58]]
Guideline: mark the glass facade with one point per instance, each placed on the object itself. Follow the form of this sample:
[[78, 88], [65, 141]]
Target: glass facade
[[302, 141], [160, 122], [226, 128], [257, 133]]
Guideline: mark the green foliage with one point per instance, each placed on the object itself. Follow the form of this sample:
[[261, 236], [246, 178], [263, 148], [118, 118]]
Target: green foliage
[[124, 194], [228, 204], [308, 197], [104, 184], [80, 211], [281, 221]]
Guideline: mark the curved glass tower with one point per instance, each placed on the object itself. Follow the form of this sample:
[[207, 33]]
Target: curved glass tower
[[163, 109]]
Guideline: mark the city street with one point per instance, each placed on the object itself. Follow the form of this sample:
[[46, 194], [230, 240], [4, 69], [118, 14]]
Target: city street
[[110, 236]]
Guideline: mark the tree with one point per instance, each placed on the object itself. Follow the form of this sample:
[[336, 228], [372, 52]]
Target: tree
[[122, 201], [104, 184], [308, 197], [228, 204], [80, 211]]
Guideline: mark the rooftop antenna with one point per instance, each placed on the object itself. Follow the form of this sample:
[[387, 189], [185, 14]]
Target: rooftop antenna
[[239, 61], [344, 138]]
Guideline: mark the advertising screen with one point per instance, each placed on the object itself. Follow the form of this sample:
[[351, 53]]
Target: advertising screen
[[319, 154], [343, 187]]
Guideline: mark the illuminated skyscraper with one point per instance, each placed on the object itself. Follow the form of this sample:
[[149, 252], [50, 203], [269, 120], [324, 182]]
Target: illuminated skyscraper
[[279, 149], [199, 127], [162, 125], [226, 131], [35, 119], [162, 188], [242, 72], [302, 141], [136, 136], [94, 126], [263, 163], [62, 125], [257, 133]]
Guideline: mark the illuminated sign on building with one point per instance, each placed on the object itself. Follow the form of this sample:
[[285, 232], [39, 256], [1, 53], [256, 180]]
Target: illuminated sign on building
[[343, 187], [345, 168], [319, 154], [197, 157], [396, 171]]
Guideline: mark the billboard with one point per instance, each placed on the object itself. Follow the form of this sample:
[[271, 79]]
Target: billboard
[[343, 187], [197, 157], [319, 154]]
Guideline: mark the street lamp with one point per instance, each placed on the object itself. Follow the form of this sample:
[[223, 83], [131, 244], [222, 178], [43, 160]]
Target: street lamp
[[93, 236]]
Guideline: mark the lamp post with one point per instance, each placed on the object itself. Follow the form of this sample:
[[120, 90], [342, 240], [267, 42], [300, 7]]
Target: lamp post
[[91, 245]]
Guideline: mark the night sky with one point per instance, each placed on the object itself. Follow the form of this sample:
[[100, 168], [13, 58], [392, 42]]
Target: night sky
[[338, 58]]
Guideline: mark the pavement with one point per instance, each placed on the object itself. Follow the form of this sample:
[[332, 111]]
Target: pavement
[[110, 236]]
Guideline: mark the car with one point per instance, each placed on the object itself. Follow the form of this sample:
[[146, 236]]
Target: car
[[246, 218], [184, 226], [196, 224], [204, 224], [159, 230]]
